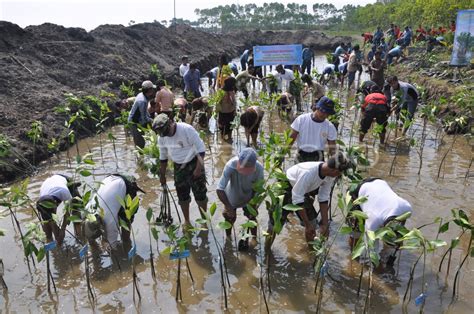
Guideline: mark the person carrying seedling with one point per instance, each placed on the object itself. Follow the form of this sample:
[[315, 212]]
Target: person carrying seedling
[[304, 181], [251, 119], [375, 107], [181, 143], [192, 83], [164, 99], [55, 190], [382, 206], [235, 188], [327, 74], [243, 78], [139, 116], [312, 131], [106, 206]]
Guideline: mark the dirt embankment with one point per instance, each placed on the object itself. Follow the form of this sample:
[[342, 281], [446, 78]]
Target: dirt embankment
[[40, 64]]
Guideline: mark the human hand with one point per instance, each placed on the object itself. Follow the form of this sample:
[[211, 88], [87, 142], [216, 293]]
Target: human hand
[[324, 230], [310, 233], [197, 172], [229, 214]]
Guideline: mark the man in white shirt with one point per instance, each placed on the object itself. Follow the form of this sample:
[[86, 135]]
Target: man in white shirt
[[312, 131], [55, 190], [181, 143], [183, 68], [105, 205], [282, 74], [304, 179]]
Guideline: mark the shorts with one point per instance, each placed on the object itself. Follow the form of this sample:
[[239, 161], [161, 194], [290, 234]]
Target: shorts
[[184, 182], [225, 121], [303, 156], [307, 206], [254, 129], [377, 112]]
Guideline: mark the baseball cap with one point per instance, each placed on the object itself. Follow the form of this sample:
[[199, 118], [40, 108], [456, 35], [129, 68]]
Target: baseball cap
[[148, 85], [247, 161], [325, 105], [160, 123]]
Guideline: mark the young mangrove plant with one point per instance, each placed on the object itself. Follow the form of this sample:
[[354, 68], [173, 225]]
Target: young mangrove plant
[[34, 134]]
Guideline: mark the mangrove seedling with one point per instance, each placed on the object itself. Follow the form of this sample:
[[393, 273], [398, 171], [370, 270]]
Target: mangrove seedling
[[34, 134]]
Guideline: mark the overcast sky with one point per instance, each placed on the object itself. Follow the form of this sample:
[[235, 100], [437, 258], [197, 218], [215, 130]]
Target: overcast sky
[[89, 14]]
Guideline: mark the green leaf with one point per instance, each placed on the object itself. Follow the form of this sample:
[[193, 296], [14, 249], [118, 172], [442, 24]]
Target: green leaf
[[40, 254], [85, 173], [201, 221], [124, 224], [149, 214], [2, 232], [224, 225], [346, 230], [89, 162], [434, 244], [404, 216], [454, 243], [78, 159], [212, 209], [251, 210], [359, 248], [444, 227], [374, 258], [167, 251], [360, 200], [292, 208], [249, 224], [359, 214], [74, 218], [154, 233]]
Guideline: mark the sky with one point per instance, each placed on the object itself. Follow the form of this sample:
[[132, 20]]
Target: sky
[[89, 14]]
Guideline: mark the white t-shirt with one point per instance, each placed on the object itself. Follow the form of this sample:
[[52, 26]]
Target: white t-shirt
[[382, 203], [313, 136], [56, 186], [183, 69], [287, 76], [304, 178], [112, 190], [183, 146]]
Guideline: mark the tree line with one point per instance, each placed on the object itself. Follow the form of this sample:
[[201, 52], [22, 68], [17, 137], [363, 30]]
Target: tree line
[[274, 15]]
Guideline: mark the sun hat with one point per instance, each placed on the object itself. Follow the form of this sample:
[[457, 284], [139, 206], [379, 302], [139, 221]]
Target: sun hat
[[161, 123]]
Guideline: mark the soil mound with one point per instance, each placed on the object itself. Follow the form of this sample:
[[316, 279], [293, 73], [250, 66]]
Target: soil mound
[[40, 64]]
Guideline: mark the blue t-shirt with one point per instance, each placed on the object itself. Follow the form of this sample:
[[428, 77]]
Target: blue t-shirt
[[339, 51], [307, 54], [245, 56], [395, 52], [192, 80]]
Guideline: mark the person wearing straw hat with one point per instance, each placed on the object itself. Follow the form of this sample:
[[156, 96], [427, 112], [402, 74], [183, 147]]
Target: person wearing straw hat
[[312, 131], [235, 187], [181, 143], [108, 211], [55, 190]]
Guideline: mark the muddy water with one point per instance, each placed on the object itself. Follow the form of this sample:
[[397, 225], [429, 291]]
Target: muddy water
[[291, 276]]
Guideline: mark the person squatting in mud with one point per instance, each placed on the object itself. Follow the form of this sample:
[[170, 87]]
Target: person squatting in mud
[[181, 143], [55, 190]]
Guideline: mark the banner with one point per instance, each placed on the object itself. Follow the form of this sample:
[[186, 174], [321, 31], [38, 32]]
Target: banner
[[463, 39], [281, 54]]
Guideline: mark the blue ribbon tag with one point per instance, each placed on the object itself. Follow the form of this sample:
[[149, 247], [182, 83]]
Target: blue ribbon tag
[[83, 251], [50, 246], [178, 254], [324, 269], [420, 299], [132, 252]]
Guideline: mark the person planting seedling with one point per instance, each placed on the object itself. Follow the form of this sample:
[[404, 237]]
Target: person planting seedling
[[408, 99], [251, 119], [181, 143], [235, 188], [108, 207], [139, 115], [304, 181], [382, 207], [55, 190]]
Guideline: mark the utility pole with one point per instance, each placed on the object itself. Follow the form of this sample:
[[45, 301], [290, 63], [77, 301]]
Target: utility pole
[[174, 19]]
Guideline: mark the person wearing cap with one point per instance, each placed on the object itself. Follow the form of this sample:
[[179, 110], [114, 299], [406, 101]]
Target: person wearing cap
[[164, 99], [106, 207], [192, 83], [235, 187], [376, 107], [183, 68], [181, 143], [382, 205], [407, 98], [139, 115], [312, 131], [365, 87], [304, 181], [317, 90], [251, 119], [55, 190]]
